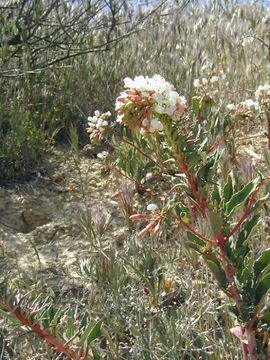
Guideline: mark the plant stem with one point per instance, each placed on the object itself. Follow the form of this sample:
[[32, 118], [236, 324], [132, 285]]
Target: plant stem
[[52, 341], [194, 232], [183, 167], [268, 128], [251, 337]]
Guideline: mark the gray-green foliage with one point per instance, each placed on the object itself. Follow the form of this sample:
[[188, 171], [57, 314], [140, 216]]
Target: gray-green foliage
[[181, 43], [44, 48]]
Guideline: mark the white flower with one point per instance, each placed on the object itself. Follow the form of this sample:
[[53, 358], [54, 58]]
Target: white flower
[[230, 107], [92, 120], [262, 95], [251, 104], [196, 83], [98, 120], [214, 79], [155, 125], [152, 207], [145, 122], [204, 81], [102, 155]]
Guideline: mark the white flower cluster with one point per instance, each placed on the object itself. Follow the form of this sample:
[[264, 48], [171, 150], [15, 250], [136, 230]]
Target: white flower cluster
[[245, 109], [167, 100], [98, 121], [203, 82], [103, 155], [144, 99], [250, 104], [262, 95], [97, 125]]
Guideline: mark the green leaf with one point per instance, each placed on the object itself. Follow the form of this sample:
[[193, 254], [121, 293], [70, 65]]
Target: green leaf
[[217, 271], [216, 198], [247, 230], [70, 326], [195, 106], [265, 318], [91, 333], [207, 171], [195, 239], [262, 288], [262, 262], [228, 188], [95, 332], [193, 246], [239, 198]]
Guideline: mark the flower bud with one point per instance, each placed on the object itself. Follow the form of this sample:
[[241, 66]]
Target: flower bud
[[135, 217]]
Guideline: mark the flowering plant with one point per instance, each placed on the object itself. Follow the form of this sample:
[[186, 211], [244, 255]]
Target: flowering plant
[[98, 124], [147, 99], [217, 212]]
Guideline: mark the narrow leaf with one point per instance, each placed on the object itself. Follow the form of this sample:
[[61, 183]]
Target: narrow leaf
[[239, 198], [228, 188], [262, 262], [217, 271], [247, 230], [262, 288]]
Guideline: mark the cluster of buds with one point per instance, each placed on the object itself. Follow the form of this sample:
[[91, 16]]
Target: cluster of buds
[[207, 88], [204, 82], [243, 110], [97, 126], [262, 95], [145, 101], [153, 226]]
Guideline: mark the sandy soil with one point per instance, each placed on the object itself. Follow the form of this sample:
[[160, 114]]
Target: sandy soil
[[40, 231]]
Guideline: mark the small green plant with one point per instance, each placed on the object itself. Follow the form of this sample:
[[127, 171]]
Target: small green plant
[[216, 209]]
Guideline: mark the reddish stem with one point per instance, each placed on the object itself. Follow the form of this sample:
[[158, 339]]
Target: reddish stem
[[251, 345], [57, 345], [194, 232]]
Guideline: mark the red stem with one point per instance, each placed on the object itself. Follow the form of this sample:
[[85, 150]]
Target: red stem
[[194, 232], [57, 345]]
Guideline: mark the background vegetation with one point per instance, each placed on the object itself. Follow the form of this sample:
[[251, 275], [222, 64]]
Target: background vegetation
[[60, 61]]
